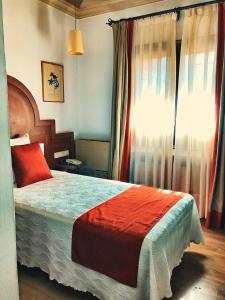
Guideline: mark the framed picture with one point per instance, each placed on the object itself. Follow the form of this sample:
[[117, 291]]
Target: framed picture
[[52, 82]]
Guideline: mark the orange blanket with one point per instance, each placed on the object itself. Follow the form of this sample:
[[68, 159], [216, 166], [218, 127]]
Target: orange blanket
[[108, 238]]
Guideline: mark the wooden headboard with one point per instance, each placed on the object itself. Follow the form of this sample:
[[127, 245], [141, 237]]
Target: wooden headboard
[[24, 118]]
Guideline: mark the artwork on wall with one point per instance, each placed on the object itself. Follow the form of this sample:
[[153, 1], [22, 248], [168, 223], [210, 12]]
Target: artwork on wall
[[52, 82]]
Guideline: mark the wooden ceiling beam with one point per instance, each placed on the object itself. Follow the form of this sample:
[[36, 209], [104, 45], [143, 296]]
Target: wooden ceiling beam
[[88, 8], [95, 7], [77, 2], [61, 5]]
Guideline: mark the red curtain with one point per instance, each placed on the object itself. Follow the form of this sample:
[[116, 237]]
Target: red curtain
[[214, 217], [125, 164]]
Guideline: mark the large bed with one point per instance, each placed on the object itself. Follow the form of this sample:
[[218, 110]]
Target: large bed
[[46, 211]]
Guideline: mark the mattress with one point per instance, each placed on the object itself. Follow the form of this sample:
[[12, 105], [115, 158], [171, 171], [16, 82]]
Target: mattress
[[46, 211]]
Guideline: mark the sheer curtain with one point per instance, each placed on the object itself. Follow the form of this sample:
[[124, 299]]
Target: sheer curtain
[[153, 93], [195, 122]]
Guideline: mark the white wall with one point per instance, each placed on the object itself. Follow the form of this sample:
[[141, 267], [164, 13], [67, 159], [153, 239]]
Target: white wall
[[35, 31], [93, 106]]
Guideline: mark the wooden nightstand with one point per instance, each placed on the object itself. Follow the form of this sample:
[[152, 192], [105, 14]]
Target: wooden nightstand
[[82, 169]]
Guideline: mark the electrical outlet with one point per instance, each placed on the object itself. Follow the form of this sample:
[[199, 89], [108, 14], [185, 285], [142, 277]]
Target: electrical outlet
[[61, 154]]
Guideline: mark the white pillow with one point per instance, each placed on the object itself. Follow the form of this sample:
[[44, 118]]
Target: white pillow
[[22, 140], [42, 145]]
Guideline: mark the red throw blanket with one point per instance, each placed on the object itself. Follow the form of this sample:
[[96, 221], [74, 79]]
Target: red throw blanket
[[108, 238]]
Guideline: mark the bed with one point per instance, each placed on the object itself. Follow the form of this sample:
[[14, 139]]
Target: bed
[[46, 210]]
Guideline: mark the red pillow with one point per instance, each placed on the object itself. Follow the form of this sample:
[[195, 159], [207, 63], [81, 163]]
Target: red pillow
[[29, 164]]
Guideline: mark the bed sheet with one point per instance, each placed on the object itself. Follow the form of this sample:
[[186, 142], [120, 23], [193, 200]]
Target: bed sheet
[[45, 212]]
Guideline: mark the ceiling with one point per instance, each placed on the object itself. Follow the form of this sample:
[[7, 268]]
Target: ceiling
[[87, 8]]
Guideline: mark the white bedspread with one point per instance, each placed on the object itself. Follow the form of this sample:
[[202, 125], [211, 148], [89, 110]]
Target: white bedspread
[[45, 212]]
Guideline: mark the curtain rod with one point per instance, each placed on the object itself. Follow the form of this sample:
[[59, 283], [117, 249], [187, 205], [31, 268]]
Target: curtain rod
[[173, 10]]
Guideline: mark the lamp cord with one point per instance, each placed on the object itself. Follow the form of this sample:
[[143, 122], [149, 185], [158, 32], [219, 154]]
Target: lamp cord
[[75, 15]]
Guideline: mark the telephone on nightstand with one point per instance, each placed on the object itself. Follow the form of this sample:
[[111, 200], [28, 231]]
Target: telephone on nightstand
[[74, 166], [72, 161]]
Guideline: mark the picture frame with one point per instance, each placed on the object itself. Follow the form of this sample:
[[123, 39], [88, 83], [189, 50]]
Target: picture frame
[[52, 82]]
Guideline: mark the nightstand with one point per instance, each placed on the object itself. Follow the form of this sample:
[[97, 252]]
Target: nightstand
[[82, 169]]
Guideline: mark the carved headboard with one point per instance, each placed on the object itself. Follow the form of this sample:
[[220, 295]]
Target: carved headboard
[[24, 118]]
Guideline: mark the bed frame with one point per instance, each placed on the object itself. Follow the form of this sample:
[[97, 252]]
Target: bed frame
[[24, 118]]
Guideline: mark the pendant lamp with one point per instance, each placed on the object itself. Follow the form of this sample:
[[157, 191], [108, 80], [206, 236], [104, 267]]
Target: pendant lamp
[[75, 43]]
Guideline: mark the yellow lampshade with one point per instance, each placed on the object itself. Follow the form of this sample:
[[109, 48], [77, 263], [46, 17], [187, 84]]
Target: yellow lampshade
[[75, 45]]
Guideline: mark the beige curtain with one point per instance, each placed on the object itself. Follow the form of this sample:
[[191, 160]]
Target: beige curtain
[[119, 97], [196, 104], [152, 112]]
